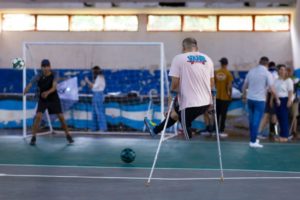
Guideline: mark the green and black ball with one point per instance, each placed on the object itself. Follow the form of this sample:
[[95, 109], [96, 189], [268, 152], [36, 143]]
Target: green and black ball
[[18, 63], [127, 155]]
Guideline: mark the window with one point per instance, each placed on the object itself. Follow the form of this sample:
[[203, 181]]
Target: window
[[18, 22], [121, 23], [164, 23], [86, 23], [200, 23], [48, 22], [235, 23], [272, 23], [52, 22]]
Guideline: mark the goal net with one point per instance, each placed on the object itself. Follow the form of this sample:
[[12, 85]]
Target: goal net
[[135, 84]]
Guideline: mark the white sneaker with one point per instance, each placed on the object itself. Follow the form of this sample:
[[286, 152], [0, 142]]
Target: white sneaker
[[262, 137], [255, 145], [206, 133], [223, 135]]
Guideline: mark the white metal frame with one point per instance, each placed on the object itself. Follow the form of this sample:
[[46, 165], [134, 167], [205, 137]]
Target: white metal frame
[[162, 139], [162, 65]]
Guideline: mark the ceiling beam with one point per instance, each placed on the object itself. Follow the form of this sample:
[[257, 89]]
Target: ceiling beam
[[137, 11], [206, 1]]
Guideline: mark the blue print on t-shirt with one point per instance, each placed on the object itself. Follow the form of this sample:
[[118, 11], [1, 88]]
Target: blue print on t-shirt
[[196, 59]]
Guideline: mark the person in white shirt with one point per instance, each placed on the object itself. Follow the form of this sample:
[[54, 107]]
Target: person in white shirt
[[258, 81], [284, 88], [192, 76], [98, 86]]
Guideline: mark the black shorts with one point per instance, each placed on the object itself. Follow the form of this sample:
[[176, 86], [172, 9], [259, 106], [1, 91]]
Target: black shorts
[[188, 115], [176, 106], [268, 109], [53, 106]]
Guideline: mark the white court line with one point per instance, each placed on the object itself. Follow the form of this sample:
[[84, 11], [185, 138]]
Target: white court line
[[169, 137], [146, 178], [99, 133], [147, 168], [246, 144]]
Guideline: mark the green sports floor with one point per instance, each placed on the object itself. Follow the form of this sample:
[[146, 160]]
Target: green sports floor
[[91, 168]]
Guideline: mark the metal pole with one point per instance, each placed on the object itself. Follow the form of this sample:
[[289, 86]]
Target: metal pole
[[24, 96], [218, 140], [160, 142]]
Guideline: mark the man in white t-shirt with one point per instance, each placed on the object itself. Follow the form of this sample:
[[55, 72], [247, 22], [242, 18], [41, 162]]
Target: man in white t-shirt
[[192, 77]]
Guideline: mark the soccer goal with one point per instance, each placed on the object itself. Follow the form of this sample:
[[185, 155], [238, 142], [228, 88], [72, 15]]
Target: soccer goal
[[136, 84]]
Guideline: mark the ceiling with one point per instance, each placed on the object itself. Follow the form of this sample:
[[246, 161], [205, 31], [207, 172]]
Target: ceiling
[[206, 1], [192, 4]]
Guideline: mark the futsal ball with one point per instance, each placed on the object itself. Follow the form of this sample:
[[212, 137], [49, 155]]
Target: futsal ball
[[127, 155], [18, 63]]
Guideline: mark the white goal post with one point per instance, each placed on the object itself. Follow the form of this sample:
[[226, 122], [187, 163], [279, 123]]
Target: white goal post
[[26, 46]]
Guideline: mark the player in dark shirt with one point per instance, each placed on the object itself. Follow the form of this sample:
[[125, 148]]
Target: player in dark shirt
[[47, 99]]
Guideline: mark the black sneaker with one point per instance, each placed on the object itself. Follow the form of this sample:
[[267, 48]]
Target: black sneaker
[[33, 141], [70, 139]]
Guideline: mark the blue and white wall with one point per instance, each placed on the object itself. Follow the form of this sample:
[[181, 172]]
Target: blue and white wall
[[121, 109]]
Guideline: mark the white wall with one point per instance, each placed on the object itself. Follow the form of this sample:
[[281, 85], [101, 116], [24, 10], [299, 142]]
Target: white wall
[[296, 36], [242, 48]]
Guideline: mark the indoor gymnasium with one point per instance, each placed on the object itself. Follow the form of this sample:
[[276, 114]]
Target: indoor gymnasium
[[145, 99]]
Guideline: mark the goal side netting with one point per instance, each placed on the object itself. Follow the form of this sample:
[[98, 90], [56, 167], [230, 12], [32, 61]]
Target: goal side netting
[[136, 84]]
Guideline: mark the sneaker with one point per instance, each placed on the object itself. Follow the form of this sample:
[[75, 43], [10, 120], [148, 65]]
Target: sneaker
[[70, 139], [223, 135], [262, 137], [33, 141], [255, 145], [150, 126], [206, 134]]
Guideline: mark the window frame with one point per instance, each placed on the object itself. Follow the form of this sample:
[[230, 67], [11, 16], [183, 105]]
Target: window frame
[[194, 15], [163, 31], [70, 23], [236, 15], [36, 26], [137, 16], [289, 21], [147, 22], [2, 20]]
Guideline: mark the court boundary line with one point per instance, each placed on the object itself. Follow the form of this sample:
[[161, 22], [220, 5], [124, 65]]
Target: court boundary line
[[99, 133], [146, 168], [171, 134], [244, 178]]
